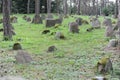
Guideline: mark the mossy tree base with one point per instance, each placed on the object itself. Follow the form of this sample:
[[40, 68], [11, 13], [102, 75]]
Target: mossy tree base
[[37, 19]]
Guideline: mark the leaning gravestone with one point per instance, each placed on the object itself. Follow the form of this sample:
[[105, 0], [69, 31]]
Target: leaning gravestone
[[109, 28], [23, 57], [95, 23], [73, 27]]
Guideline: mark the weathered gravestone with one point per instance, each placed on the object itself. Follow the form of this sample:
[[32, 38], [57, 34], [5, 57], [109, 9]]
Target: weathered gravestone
[[51, 49], [28, 19], [12, 78], [13, 19], [17, 46], [51, 22], [73, 27], [59, 35], [79, 21], [104, 65], [112, 43], [109, 28], [95, 23], [23, 57]]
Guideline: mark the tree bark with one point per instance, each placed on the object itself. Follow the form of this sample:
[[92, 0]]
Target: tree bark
[[28, 7], [48, 6], [116, 8], [6, 20], [65, 7], [93, 3], [37, 19], [97, 9], [79, 3], [119, 9]]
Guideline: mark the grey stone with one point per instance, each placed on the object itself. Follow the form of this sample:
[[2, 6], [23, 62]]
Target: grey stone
[[50, 22], [79, 21], [73, 27], [59, 35], [23, 57], [109, 32], [113, 43], [95, 23]]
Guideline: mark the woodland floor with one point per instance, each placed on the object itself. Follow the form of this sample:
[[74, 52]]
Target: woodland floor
[[74, 59]]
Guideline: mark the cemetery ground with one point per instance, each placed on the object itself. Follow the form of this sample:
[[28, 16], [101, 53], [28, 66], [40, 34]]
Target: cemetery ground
[[74, 59]]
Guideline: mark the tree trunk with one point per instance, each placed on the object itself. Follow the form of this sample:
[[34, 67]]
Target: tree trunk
[[6, 20], [57, 8], [65, 7], [116, 9], [97, 9], [70, 11], [93, 3], [103, 5], [37, 19], [28, 7], [48, 6], [79, 3], [119, 9]]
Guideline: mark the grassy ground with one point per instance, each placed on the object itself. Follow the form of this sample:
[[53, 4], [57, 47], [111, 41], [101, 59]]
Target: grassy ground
[[74, 59]]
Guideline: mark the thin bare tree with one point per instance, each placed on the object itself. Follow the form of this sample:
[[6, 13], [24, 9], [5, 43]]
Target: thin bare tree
[[28, 7]]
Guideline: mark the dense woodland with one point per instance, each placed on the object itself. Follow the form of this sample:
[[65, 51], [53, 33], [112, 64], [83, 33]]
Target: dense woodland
[[59, 40], [87, 7]]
